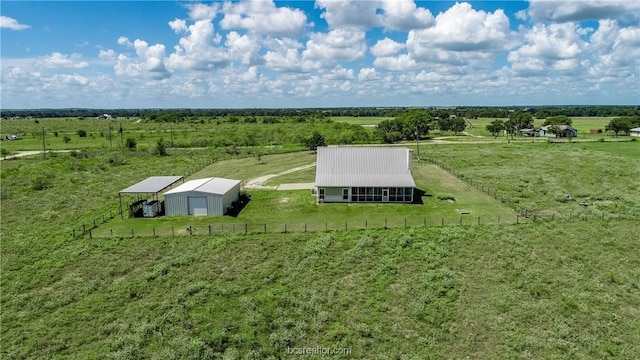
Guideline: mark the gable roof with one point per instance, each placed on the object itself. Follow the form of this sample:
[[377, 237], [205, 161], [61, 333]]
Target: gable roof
[[363, 166], [218, 186], [635, 129]]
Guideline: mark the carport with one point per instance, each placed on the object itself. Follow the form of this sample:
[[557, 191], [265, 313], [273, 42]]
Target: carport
[[151, 185]]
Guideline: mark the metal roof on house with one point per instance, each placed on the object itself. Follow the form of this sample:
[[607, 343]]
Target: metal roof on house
[[635, 129], [363, 166], [153, 184], [218, 186]]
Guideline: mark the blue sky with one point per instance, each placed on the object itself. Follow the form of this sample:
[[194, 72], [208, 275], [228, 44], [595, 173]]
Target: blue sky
[[323, 53]]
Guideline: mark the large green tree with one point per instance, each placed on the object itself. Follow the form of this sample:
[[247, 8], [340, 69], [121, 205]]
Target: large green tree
[[558, 120], [495, 127], [620, 124], [315, 140]]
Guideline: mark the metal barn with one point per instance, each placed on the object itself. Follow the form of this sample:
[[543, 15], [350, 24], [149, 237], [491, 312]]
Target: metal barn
[[209, 196]]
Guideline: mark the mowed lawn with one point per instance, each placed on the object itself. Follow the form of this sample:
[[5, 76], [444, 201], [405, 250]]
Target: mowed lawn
[[441, 199]]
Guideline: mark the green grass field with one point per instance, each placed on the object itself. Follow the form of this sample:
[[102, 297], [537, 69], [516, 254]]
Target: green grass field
[[360, 120], [550, 289]]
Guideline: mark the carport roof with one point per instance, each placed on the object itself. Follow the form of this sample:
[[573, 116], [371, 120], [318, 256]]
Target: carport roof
[[152, 184]]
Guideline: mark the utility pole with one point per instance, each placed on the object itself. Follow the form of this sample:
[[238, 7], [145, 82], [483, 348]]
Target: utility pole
[[110, 140], [44, 146], [418, 140], [121, 136]]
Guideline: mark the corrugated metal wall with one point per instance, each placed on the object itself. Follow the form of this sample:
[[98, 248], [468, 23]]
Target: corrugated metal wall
[[177, 204]]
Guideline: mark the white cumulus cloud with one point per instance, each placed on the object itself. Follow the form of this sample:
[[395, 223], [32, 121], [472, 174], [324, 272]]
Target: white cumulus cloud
[[58, 60], [11, 24], [405, 15], [345, 14], [336, 45], [263, 17], [386, 47], [556, 46], [565, 11]]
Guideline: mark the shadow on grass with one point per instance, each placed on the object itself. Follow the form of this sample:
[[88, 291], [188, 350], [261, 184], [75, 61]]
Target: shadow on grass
[[417, 196], [238, 205]]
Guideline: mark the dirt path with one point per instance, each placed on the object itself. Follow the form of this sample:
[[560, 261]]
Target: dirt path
[[256, 183], [20, 154]]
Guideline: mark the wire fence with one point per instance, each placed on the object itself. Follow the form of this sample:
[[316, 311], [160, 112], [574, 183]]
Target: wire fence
[[162, 230]]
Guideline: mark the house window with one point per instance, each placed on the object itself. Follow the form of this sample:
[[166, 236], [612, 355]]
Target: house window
[[345, 194], [321, 193]]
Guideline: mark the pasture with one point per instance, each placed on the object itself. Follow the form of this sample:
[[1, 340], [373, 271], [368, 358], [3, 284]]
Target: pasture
[[551, 289]]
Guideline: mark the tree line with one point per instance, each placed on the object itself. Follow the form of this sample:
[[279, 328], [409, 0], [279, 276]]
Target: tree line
[[177, 115]]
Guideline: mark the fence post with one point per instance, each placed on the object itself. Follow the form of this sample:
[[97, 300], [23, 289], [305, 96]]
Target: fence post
[[385, 223], [460, 219], [173, 233], [325, 226], [190, 230], [111, 232], [305, 227], [131, 231], [285, 227], [424, 221], [74, 233], [245, 228], [442, 222], [553, 216], [154, 232], [90, 236], [265, 228], [209, 229], [405, 222], [345, 225], [478, 220], [84, 229], [366, 224], [110, 215]]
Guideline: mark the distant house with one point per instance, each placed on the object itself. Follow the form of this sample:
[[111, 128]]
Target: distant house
[[364, 174], [11, 137], [529, 132], [634, 131], [208, 196], [104, 117], [565, 131]]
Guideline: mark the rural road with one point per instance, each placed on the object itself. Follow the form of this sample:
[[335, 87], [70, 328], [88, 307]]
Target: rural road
[[256, 183]]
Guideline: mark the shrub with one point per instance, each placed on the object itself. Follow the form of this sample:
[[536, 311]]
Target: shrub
[[131, 143], [55, 133], [66, 139], [82, 133], [78, 154], [41, 182], [4, 152], [161, 148], [116, 159], [446, 197]]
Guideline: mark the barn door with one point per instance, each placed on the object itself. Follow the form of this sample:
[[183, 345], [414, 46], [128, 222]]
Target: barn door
[[197, 205]]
